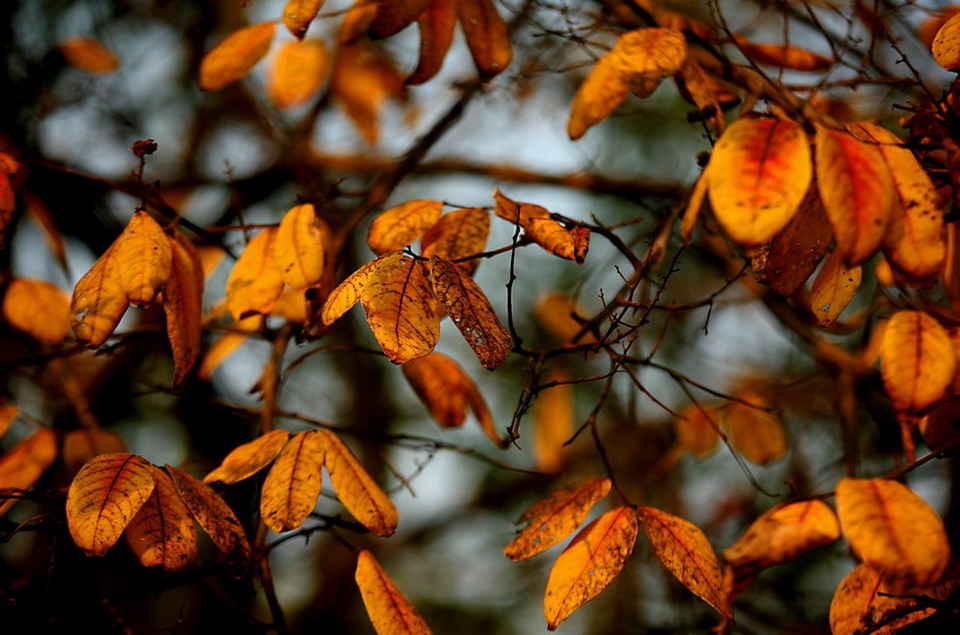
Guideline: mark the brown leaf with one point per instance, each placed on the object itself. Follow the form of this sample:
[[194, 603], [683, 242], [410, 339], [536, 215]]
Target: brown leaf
[[835, 286], [300, 247], [183, 305], [256, 281], [38, 308], [436, 26], [389, 611], [459, 234], [298, 14], [394, 16], [163, 533], [799, 247], [402, 224], [486, 34], [297, 72], [7, 414], [143, 259], [246, 460], [294, 482], [917, 360], [706, 93], [214, 515], [234, 57], [26, 462], [783, 56], [542, 229], [89, 55]]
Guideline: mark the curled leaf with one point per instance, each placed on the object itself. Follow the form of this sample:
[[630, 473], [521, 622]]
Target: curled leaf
[[486, 35], [571, 244], [436, 25]]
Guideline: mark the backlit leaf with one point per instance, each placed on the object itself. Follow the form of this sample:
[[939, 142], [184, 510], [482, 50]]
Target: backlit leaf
[[298, 14], [799, 247], [754, 432], [299, 250], [294, 482], [163, 533], [98, 301], [89, 55], [38, 308], [553, 420], [389, 611], [248, 459], [439, 383], [104, 497], [697, 431], [783, 56], [291, 305], [551, 519], [834, 288], [358, 492], [214, 515], [143, 258], [687, 554], [537, 224], [297, 72], [348, 292], [394, 16], [436, 26], [83, 444], [946, 44], [226, 344], [589, 563], [362, 81], [459, 234], [183, 305], [402, 224], [26, 462], [917, 360], [560, 315], [230, 60], [486, 35], [256, 281], [471, 313], [894, 530]]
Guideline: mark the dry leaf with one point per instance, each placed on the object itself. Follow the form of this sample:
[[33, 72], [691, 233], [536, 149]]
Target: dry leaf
[[754, 432], [38, 308], [394, 16], [799, 247], [98, 301], [246, 460], [294, 482], [230, 60], [163, 533], [917, 360], [298, 14], [143, 258], [362, 81], [297, 72], [402, 224], [348, 292], [946, 44], [834, 288], [459, 234], [214, 515], [706, 93], [26, 462], [553, 421], [783, 56], [389, 611], [89, 55], [436, 26], [300, 246], [538, 226], [83, 444], [486, 34], [226, 344], [697, 431], [183, 305], [256, 280]]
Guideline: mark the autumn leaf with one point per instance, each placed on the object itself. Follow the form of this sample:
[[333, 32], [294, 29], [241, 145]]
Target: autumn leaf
[[389, 611], [298, 14], [917, 360], [706, 93], [486, 34], [436, 25], [946, 45], [754, 431], [799, 247], [214, 515], [894, 530], [783, 56], [98, 301], [357, 491], [226, 344], [7, 415], [589, 563], [571, 244], [394, 16], [163, 533], [697, 430], [89, 55], [560, 315], [104, 497], [300, 246], [38, 308], [402, 224], [348, 292], [26, 462], [256, 280], [230, 60], [292, 305], [362, 81], [143, 259], [183, 305], [297, 72], [294, 482], [83, 444], [834, 288], [459, 234], [248, 459], [551, 519], [471, 313], [553, 419]]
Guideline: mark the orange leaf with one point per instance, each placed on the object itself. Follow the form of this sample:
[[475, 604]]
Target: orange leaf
[[292, 305], [917, 360], [402, 224], [553, 419], [799, 247], [459, 234], [551, 519], [230, 60], [7, 414], [38, 308], [348, 292], [362, 81], [358, 492], [163, 533], [394, 16], [439, 383], [389, 611], [83, 444], [697, 431], [248, 459], [297, 72], [226, 344], [560, 315], [486, 34], [946, 44], [471, 312], [537, 225], [300, 247], [143, 258], [894, 530], [294, 482], [757, 434], [26, 462], [98, 301], [589, 563], [856, 190], [298, 14], [783, 56], [256, 281], [89, 55], [436, 26], [183, 305], [834, 288], [104, 497], [758, 175], [706, 93], [215, 516]]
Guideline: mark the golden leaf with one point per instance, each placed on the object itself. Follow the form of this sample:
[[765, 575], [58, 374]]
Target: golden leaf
[[297, 72], [799, 247], [163, 533], [758, 175], [537, 225], [230, 60], [298, 14], [104, 497], [697, 431], [783, 56], [471, 313], [439, 383], [83, 444], [256, 281], [143, 258], [589, 563], [917, 360], [687, 554], [348, 292], [486, 34], [553, 420], [856, 190], [294, 482], [214, 515], [436, 26], [401, 308], [389, 611], [26, 462], [98, 301], [362, 81], [248, 459], [402, 224], [946, 44], [754, 432], [894, 530], [394, 16], [38, 308], [183, 306], [459, 234], [560, 315], [292, 305], [226, 344], [834, 288], [89, 55], [551, 519], [300, 246], [357, 491]]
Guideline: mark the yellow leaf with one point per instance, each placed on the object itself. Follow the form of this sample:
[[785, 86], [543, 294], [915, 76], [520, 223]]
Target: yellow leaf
[[757, 434], [294, 482], [230, 60], [834, 288], [83, 444], [401, 308], [758, 175], [394, 16], [799, 247], [163, 533], [298, 14], [697, 431], [471, 312], [26, 462], [589, 563], [946, 44], [551, 519], [894, 530], [459, 234], [89, 55], [560, 315], [917, 360], [783, 56], [248, 459], [38, 308], [856, 190], [104, 497], [436, 26], [143, 258], [183, 306], [357, 491], [297, 72], [486, 35], [687, 554], [98, 301], [300, 246], [389, 611], [226, 344], [402, 224], [571, 244], [348, 292], [256, 281], [292, 305], [214, 515], [553, 420]]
